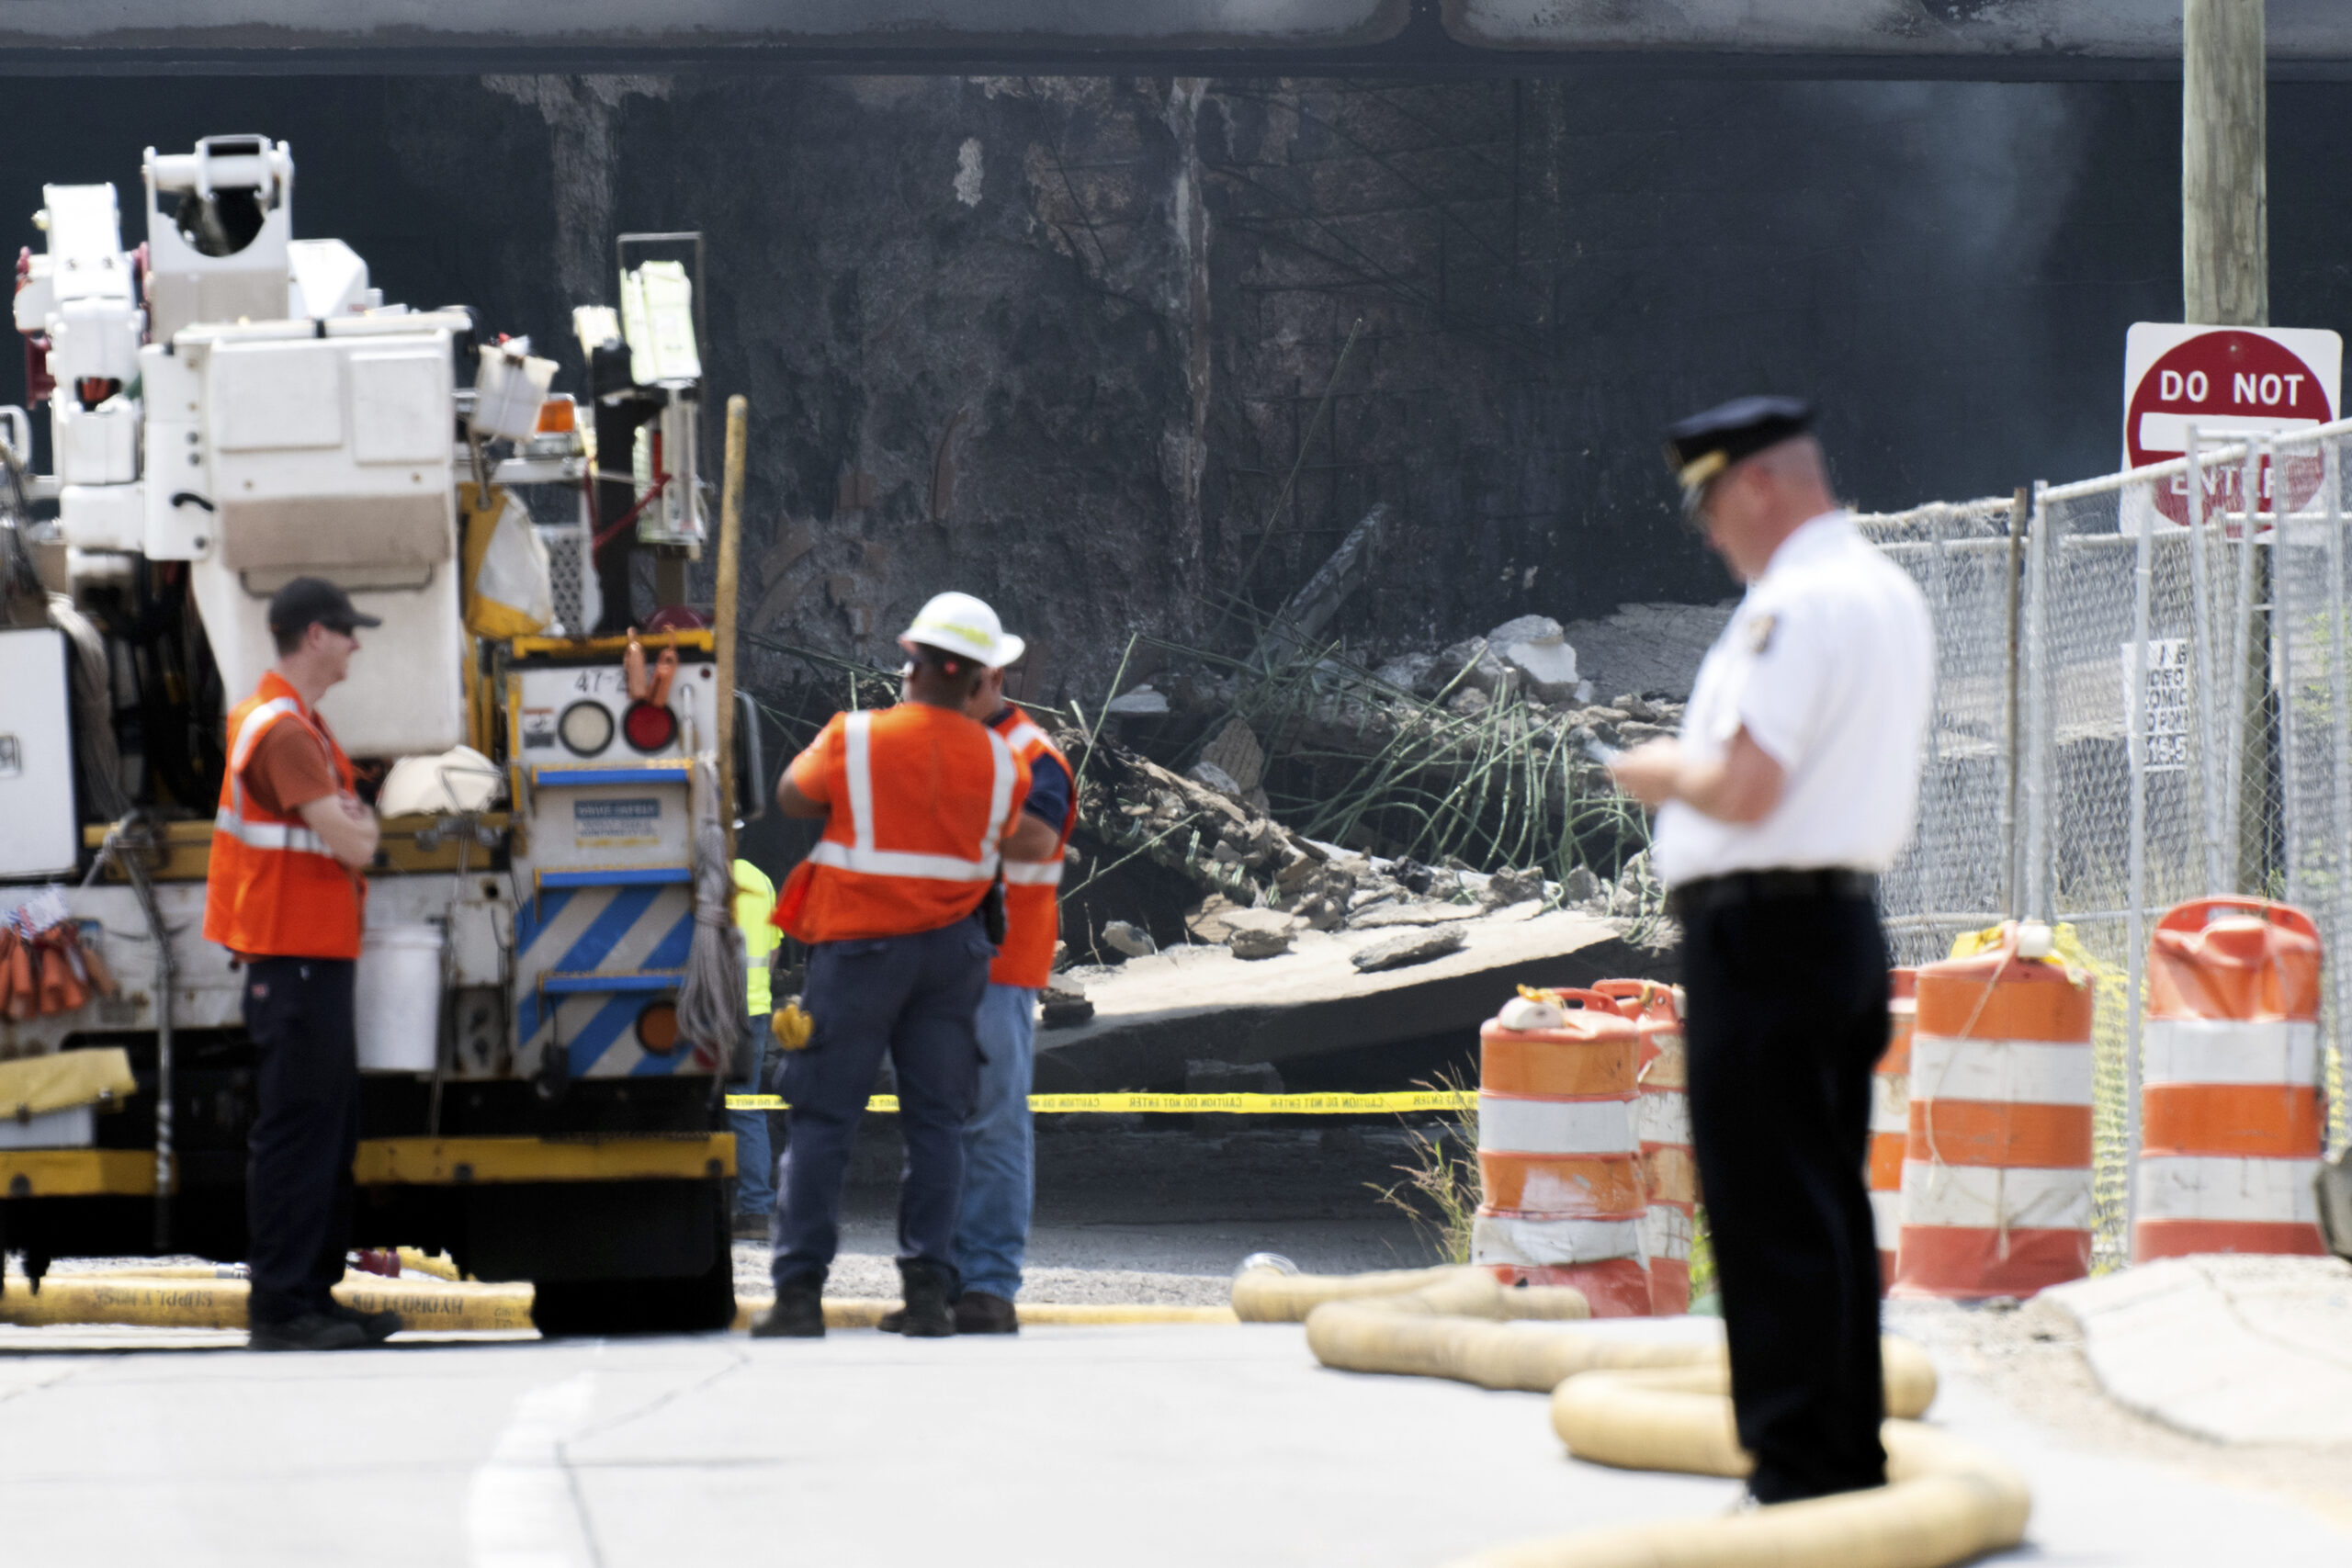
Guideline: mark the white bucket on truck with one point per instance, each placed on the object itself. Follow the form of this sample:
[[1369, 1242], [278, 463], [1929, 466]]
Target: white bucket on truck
[[396, 995]]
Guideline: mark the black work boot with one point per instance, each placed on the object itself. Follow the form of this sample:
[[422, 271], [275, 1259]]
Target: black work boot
[[377, 1326], [983, 1312], [311, 1331], [798, 1312], [926, 1287]]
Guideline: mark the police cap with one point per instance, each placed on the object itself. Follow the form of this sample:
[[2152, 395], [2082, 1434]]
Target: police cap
[[1699, 447]]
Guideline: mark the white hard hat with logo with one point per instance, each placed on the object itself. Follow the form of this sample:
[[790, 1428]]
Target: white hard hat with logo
[[958, 623]]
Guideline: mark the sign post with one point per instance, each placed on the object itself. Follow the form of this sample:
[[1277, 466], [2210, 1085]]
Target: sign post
[[2230, 382]]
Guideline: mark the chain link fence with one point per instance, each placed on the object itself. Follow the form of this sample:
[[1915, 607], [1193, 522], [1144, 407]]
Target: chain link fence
[[2141, 698]]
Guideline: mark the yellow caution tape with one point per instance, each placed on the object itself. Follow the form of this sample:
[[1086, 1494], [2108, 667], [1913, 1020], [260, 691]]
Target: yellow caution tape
[[1232, 1104]]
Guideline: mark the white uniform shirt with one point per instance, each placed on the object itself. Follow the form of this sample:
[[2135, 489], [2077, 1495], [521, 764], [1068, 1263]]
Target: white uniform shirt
[[1829, 663]]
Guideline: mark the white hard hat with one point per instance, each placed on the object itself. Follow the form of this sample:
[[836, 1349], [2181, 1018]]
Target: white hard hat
[[961, 623]]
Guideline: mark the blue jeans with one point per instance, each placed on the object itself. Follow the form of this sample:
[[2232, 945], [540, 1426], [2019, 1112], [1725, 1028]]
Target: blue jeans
[[754, 1168], [1000, 1154], [914, 998]]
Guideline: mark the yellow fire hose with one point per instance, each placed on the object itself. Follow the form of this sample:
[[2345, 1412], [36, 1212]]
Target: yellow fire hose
[[159, 1301], [1651, 1405], [212, 1296]]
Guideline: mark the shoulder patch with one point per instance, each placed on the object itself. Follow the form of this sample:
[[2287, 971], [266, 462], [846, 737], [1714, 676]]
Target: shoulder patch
[[1760, 632]]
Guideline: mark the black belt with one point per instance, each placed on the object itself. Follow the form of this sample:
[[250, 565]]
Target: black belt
[[1758, 886]]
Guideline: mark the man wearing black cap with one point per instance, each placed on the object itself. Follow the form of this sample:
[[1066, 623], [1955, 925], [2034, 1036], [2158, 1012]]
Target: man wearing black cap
[[1792, 784], [283, 892]]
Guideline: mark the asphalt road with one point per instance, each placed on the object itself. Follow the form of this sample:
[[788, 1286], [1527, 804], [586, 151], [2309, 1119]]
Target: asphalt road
[[1137, 1446]]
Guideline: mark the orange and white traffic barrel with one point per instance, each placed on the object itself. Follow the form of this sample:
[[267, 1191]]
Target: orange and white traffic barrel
[[2231, 1124], [1662, 1127], [1996, 1168], [1891, 1117], [1564, 1203]]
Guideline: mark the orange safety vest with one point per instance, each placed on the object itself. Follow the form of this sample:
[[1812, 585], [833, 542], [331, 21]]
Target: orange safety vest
[[920, 799], [272, 889], [1032, 917]]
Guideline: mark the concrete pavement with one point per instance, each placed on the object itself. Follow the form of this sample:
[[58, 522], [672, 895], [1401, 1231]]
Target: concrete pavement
[[1137, 1446]]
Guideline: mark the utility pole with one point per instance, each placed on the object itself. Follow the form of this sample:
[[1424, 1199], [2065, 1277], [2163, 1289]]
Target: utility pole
[[2225, 209]]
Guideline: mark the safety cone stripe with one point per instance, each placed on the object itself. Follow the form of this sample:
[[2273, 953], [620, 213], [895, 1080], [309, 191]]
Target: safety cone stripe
[[1525, 1242], [1971, 1131], [1972, 1264], [2152, 1239], [1886, 1162], [1670, 1174], [2029, 1001], [2250, 1191], [1507, 1123], [1572, 1186], [2232, 1119], [1666, 1233], [2035, 1071], [2225, 1050], [1545, 1065], [1891, 1102], [1984, 1198], [1886, 1217], [1662, 1118]]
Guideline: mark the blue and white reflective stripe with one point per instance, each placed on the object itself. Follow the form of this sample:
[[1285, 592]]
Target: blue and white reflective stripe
[[862, 854], [1033, 873], [270, 835]]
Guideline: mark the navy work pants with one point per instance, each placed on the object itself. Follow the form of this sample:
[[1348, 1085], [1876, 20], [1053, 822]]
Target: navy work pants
[[305, 1131], [914, 998], [1788, 1016]]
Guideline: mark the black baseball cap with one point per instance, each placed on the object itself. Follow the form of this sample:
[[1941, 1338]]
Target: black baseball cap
[[1699, 447], [307, 601]]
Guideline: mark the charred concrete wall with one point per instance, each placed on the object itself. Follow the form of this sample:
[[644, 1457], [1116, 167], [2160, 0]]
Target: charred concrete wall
[[1066, 342]]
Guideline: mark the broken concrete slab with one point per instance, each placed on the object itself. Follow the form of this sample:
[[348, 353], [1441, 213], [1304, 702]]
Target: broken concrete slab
[[1648, 647], [1383, 915], [1415, 947], [1257, 945], [1536, 648], [1154, 1014], [2230, 1348]]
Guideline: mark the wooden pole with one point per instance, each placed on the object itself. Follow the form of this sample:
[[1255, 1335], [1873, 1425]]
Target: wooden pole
[[2224, 205], [731, 536]]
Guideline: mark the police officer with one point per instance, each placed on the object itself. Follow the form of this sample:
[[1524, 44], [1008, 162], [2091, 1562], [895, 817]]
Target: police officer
[[283, 892], [917, 801], [1794, 782]]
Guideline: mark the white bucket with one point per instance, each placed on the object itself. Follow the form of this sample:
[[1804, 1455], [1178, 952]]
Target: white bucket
[[397, 999]]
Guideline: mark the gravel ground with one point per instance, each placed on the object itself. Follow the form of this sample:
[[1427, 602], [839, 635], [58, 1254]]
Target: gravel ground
[[2031, 1357]]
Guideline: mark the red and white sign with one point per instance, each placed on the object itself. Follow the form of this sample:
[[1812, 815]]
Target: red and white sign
[[2230, 382]]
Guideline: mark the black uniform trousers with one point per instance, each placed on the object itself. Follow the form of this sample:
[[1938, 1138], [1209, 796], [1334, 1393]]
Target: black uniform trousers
[[305, 1131], [1787, 1016]]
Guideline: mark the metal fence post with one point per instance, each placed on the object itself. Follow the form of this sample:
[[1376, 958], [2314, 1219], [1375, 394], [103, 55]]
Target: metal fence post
[[2135, 897], [2339, 755], [2200, 593], [2038, 898], [2011, 892]]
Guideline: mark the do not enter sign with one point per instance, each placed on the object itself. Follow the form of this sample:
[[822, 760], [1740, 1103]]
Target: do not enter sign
[[2230, 383]]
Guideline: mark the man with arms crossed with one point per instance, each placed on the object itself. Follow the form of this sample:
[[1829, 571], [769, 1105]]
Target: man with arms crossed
[[283, 892]]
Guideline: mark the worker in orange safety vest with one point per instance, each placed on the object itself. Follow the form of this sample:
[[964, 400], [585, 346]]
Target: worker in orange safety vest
[[920, 803], [283, 892], [999, 1153]]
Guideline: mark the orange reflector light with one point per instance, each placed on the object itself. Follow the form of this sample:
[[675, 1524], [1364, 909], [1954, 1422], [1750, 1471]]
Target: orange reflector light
[[557, 416], [657, 1028]]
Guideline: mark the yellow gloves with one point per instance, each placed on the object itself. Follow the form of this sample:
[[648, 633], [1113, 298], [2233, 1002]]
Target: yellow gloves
[[791, 1026]]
